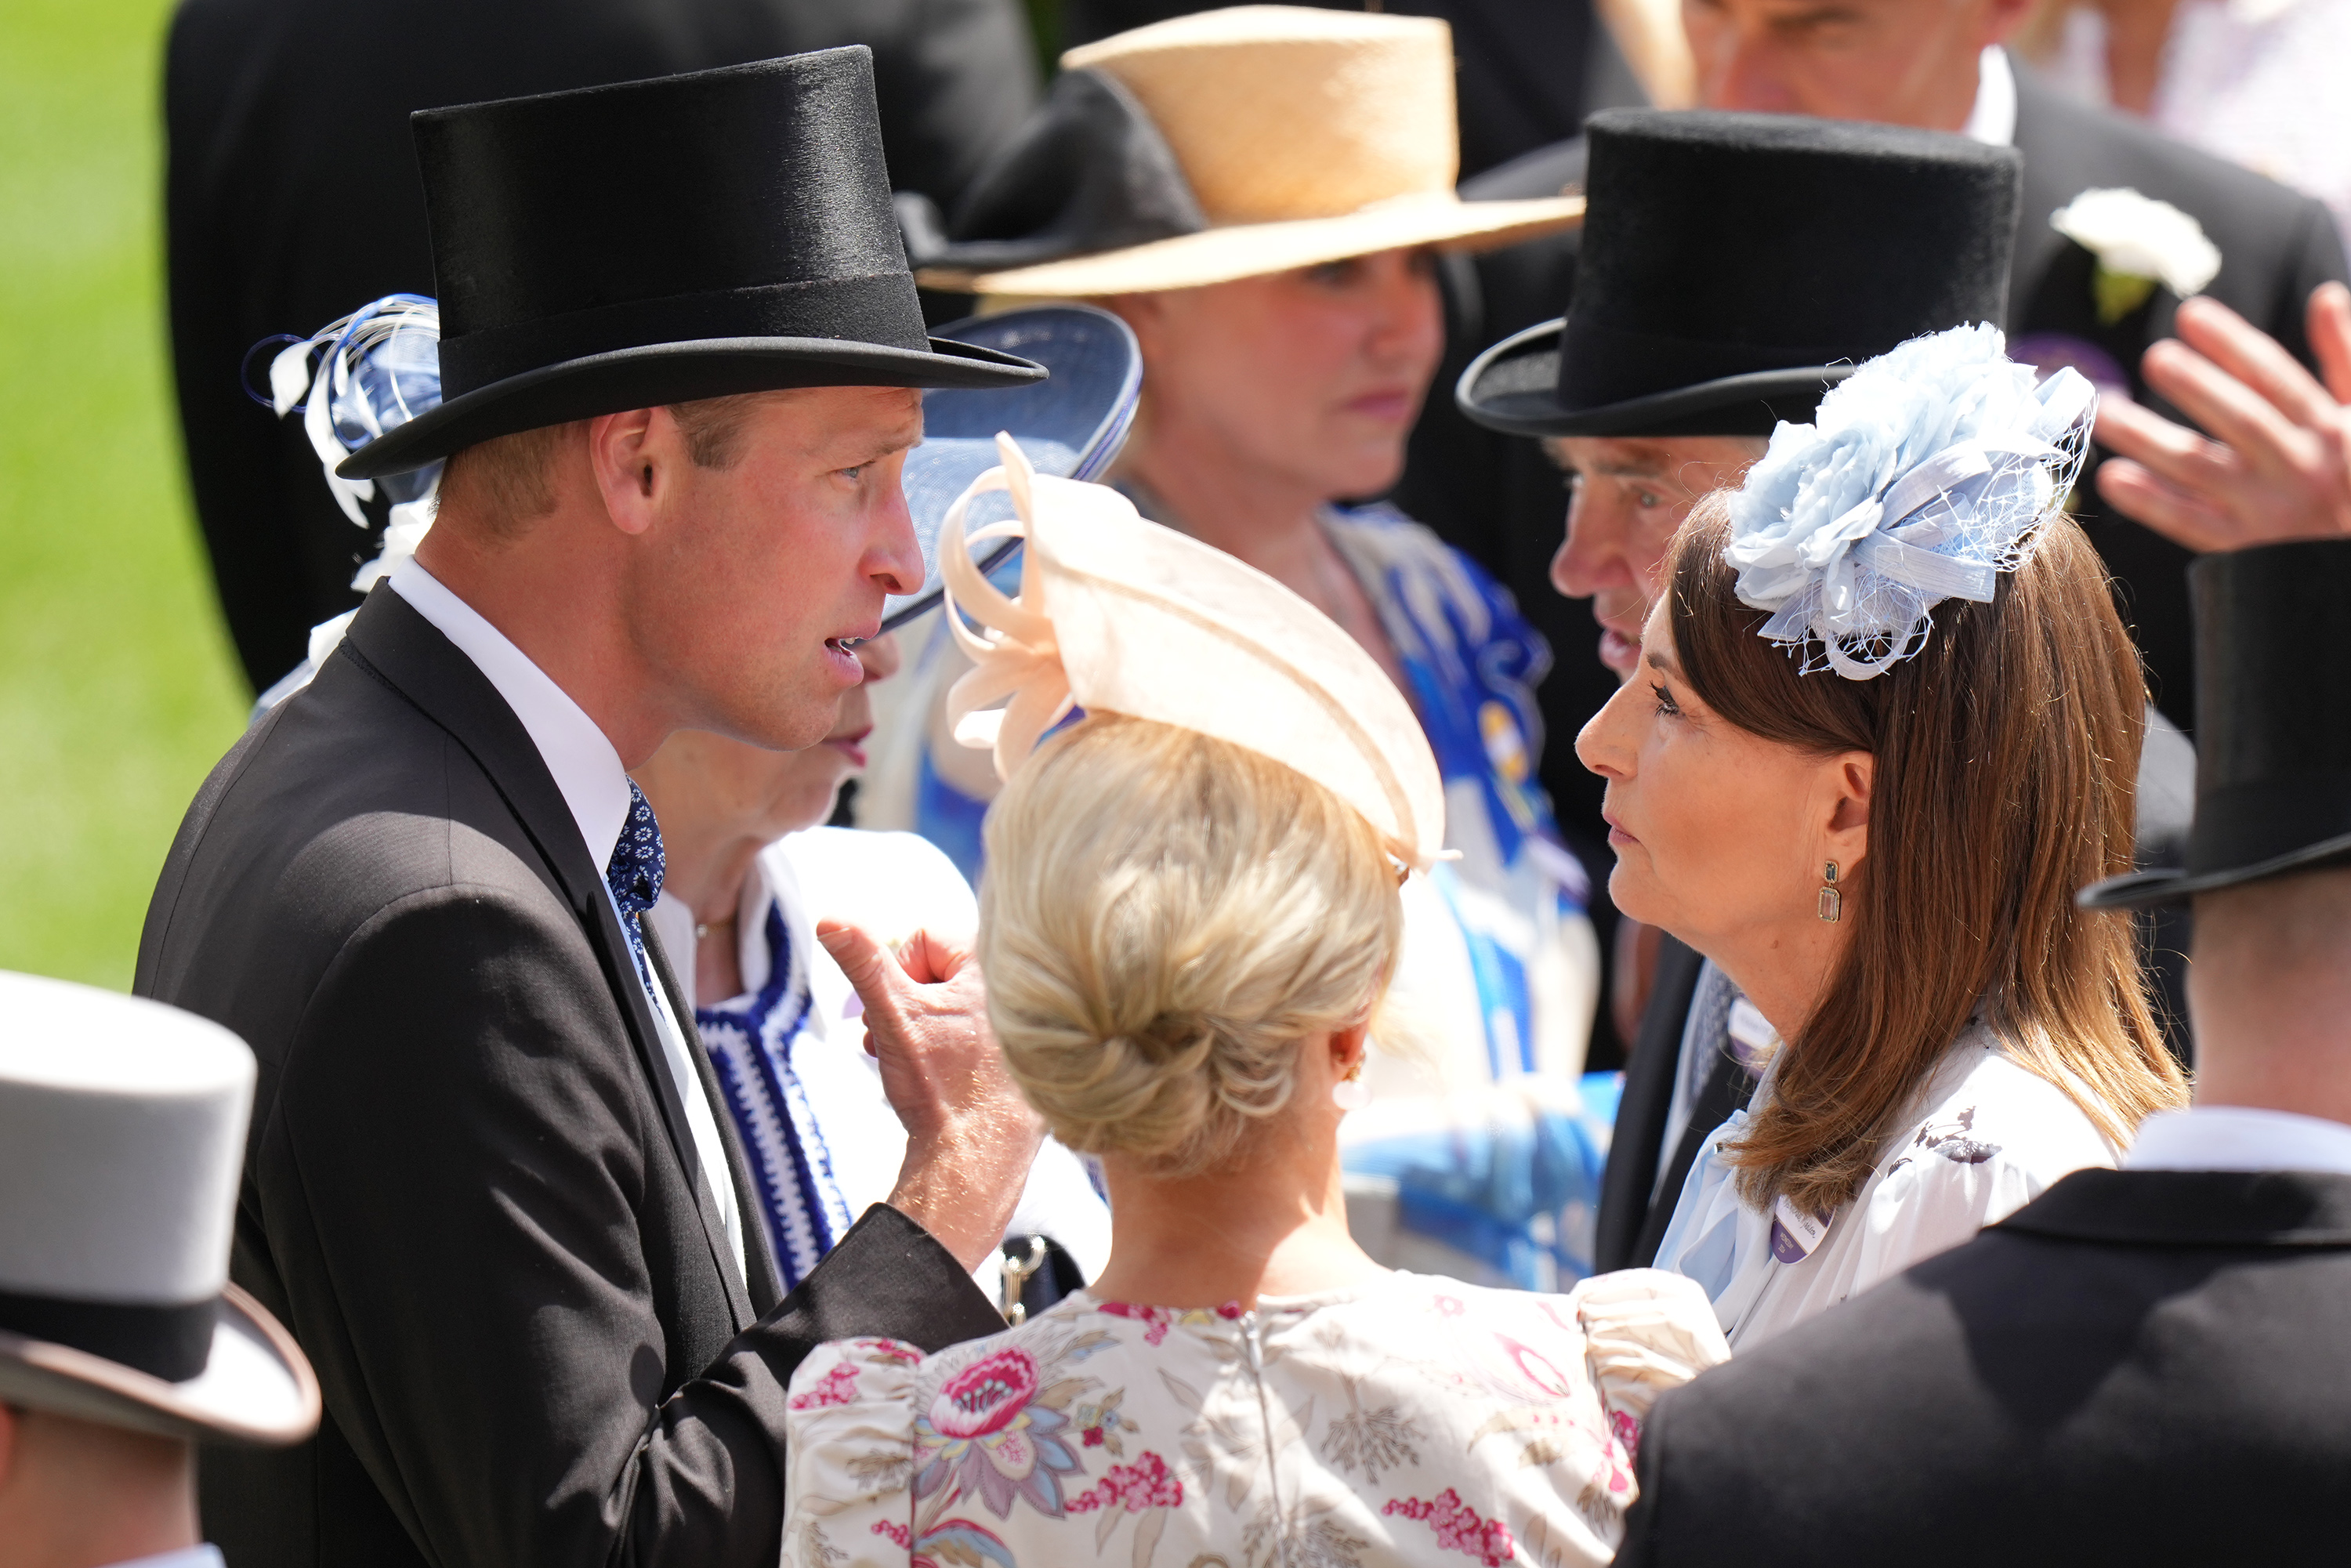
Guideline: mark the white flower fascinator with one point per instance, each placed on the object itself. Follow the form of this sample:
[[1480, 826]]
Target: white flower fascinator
[[1929, 472], [1116, 614]]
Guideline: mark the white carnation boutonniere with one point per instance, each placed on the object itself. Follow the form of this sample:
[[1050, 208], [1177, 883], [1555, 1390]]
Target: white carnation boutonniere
[[2138, 242]]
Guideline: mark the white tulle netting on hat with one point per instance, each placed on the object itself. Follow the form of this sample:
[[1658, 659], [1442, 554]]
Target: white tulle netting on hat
[[1928, 471]]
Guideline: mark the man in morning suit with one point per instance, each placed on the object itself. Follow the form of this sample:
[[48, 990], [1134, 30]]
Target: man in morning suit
[[1675, 360], [2148, 1365], [487, 1186], [291, 195], [1936, 64]]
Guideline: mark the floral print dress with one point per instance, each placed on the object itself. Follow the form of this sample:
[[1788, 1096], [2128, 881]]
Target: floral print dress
[[1413, 1421]]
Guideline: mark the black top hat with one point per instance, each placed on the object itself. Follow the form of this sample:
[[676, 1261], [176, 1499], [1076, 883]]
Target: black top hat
[[2272, 748], [1735, 266], [655, 242]]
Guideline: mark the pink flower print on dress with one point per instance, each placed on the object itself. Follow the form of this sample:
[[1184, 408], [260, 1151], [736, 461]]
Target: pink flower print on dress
[[1457, 1526], [1143, 1484], [895, 1349], [984, 1432], [897, 1532], [1628, 1433], [838, 1387], [1158, 1320]]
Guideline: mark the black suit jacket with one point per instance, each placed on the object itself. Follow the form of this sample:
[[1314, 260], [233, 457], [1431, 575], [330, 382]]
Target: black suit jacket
[[468, 1188], [1631, 1222], [293, 197], [2141, 1367], [1498, 498]]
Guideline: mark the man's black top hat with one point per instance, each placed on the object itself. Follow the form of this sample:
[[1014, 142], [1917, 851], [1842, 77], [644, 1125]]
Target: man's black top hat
[[1735, 266], [2273, 747], [656, 242]]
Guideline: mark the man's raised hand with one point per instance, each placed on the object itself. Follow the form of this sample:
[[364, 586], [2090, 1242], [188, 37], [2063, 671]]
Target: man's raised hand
[[970, 1137], [2278, 462]]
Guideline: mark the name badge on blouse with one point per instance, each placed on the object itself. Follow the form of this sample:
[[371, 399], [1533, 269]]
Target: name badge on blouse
[[1794, 1233]]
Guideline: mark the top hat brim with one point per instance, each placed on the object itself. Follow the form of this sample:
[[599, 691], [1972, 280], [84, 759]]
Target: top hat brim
[[2152, 889], [256, 1388], [1072, 427], [1252, 250], [1513, 387], [659, 374]]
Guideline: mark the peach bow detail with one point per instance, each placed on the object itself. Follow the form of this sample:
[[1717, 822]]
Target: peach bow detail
[[1014, 654]]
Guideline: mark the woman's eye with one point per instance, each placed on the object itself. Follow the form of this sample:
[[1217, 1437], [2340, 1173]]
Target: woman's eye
[[1648, 499], [1666, 706]]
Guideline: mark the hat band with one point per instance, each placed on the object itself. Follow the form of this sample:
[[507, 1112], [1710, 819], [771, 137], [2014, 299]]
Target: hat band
[[169, 1342], [879, 310], [1600, 365], [2239, 825]]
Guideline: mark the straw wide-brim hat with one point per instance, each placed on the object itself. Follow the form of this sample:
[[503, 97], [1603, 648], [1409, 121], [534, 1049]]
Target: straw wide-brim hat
[[1303, 136]]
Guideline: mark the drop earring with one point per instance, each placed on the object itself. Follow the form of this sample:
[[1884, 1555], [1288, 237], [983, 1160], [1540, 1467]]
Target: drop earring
[[1832, 901], [1351, 1092]]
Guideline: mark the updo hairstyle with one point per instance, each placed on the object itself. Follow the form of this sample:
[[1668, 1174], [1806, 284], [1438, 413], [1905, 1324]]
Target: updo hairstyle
[[1166, 918]]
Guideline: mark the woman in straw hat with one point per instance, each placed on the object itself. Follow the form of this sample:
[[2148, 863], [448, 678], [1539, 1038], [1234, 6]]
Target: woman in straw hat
[[1192, 913], [1259, 192]]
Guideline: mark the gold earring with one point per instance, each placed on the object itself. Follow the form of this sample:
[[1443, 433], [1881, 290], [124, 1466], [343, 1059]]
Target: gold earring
[[1832, 901]]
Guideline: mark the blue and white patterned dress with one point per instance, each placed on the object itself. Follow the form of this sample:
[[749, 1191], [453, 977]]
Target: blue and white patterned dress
[[1478, 1157]]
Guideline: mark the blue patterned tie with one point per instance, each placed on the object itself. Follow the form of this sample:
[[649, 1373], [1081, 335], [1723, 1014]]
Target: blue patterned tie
[[634, 875]]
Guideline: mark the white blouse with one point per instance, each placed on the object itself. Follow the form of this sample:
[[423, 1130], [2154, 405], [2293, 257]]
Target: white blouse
[[1984, 1139]]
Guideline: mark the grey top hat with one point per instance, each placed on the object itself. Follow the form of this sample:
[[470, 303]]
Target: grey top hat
[[122, 1148], [2273, 747]]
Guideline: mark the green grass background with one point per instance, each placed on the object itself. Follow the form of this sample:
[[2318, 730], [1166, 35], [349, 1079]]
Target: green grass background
[[118, 690]]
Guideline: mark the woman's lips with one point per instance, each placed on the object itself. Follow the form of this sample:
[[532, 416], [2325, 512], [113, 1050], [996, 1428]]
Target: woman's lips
[[1617, 835], [1393, 406]]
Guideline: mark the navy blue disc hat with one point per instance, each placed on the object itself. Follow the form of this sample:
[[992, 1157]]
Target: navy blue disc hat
[[2273, 747], [1733, 267], [760, 251]]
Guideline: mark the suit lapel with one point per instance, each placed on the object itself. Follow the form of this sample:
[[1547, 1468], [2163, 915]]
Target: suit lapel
[[1631, 1170], [394, 645]]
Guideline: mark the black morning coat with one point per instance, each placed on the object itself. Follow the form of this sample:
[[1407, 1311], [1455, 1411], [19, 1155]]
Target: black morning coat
[[1498, 498], [468, 1188], [2142, 1367]]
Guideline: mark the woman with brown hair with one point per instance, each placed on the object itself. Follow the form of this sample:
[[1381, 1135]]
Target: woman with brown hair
[[1886, 721]]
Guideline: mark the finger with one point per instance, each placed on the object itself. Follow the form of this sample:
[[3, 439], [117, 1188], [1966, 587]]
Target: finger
[[2252, 427], [933, 959], [2177, 514], [2330, 337], [873, 973], [2254, 357], [2183, 456]]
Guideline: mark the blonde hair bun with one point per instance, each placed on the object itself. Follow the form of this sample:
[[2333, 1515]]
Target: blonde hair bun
[[1166, 918]]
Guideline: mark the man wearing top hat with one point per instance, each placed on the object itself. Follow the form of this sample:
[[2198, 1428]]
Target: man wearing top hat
[[1678, 355], [2145, 1364], [489, 1187], [121, 1343]]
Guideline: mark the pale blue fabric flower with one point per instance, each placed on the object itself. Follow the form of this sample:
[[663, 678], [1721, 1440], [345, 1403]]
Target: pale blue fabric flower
[[1927, 471]]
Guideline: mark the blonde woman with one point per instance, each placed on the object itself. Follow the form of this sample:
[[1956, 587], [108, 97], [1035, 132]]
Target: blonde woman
[[1190, 916], [1886, 721], [1260, 194]]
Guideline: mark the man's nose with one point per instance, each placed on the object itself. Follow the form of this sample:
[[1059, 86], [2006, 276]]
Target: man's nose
[[895, 557], [1593, 543], [1747, 71]]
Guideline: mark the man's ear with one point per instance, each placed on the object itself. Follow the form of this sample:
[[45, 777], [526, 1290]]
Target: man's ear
[[633, 456]]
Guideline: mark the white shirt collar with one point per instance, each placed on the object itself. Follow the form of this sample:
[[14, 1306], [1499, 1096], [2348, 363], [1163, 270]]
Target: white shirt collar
[[2239, 1138], [586, 767], [1992, 121], [207, 1556]]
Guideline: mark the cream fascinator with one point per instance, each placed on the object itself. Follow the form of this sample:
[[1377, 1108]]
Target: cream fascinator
[[1116, 614]]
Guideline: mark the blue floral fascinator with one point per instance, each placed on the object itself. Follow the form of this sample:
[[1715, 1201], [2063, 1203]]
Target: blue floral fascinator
[[1929, 471]]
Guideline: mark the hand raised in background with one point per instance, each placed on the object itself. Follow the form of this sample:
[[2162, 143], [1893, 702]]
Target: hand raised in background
[[2277, 464], [970, 1136]]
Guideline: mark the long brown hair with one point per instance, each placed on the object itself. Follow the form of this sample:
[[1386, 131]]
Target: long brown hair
[[2007, 761]]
